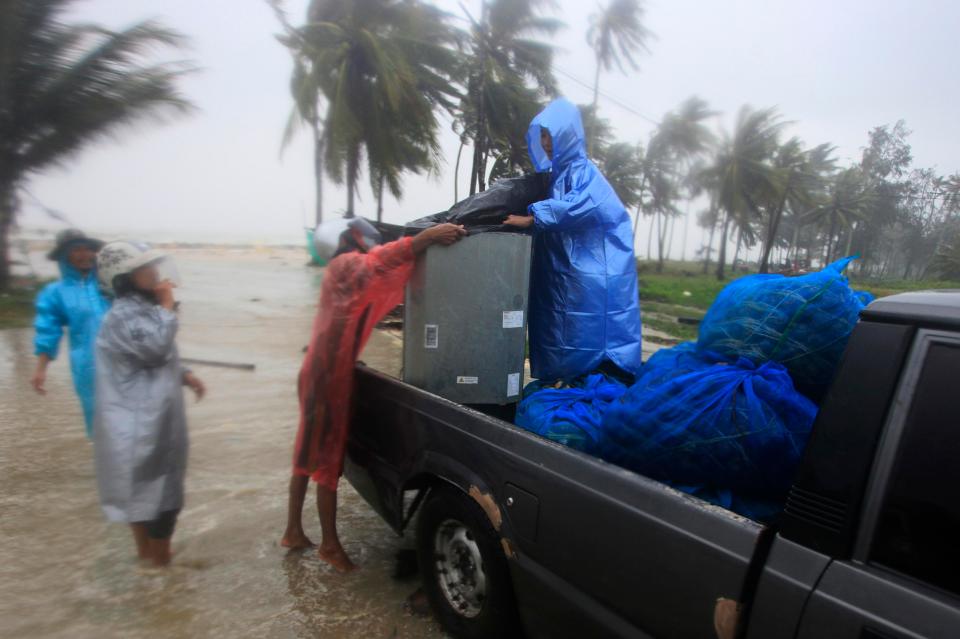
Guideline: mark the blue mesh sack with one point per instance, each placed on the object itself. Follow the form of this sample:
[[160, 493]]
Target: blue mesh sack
[[801, 322], [737, 426], [572, 415]]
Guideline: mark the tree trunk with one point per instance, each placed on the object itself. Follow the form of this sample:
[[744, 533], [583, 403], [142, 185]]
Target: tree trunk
[[850, 239], [650, 237], [7, 213], [736, 253], [772, 229], [661, 232], [456, 175], [636, 222], [713, 230], [830, 236], [686, 229], [596, 98], [380, 198], [673, 225], [722, 258], [317, 170], [353, 168], [795, 243]]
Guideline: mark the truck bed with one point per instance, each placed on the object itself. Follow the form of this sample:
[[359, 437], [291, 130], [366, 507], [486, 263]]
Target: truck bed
[[586, 540]]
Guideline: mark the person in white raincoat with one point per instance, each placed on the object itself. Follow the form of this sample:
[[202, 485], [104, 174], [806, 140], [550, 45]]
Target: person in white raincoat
[[140, 433]]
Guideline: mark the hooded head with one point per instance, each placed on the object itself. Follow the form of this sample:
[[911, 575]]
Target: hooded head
[[561, 119]]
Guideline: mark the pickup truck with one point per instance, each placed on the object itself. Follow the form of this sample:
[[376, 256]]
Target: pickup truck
[[517, 535]]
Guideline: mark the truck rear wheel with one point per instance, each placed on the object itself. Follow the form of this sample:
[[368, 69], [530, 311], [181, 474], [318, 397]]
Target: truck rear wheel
[[465, 574]]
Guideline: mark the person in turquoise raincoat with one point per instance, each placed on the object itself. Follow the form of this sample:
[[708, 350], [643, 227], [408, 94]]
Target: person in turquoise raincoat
[[584, 309], [76, 303]]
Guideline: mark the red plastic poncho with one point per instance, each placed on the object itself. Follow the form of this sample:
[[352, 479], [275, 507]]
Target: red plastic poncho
[[358, 290]]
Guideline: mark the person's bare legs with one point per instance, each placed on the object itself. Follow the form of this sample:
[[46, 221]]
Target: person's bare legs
[[294, 537], [160, 552], [141, 539], [331, 551]]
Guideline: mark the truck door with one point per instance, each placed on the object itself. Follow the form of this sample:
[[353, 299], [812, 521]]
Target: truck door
[[904, 577]]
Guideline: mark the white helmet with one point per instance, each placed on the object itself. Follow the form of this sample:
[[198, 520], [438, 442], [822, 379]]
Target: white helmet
[[344, 234], [123, 258]]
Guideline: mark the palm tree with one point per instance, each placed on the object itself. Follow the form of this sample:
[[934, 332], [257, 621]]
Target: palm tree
[[384, 69], [744, 174], [616, 33], [622, 165], [803, 178], [848, 201], [63, 86], [508, 72], [307, 97], [681, 136]]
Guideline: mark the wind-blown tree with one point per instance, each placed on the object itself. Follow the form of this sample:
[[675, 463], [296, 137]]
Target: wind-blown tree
[[508, 73], [680, 138], [64, 86], [307, 100], [622, 165], [616, 35], [849, 199], [803, 176], [744, 174], [384, 68]]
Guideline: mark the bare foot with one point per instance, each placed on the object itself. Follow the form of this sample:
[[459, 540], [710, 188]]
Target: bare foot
[[338, 558], [296, 540], [417, 603]]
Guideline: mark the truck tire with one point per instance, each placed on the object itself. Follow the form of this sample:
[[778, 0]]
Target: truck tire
[[465, 574]]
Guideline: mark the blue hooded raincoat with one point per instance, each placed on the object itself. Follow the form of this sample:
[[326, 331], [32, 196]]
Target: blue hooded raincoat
[[74, 302], [584, 307]]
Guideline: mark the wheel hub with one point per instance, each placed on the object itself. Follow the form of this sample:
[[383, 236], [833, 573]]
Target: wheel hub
[[459, 568]]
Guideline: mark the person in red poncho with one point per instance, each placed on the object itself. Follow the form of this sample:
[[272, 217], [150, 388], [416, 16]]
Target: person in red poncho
[[363, 282]]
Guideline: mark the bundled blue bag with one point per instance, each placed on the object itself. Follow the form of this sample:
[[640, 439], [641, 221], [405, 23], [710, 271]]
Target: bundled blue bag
[[739, 427], [571, 416], [801, 322]]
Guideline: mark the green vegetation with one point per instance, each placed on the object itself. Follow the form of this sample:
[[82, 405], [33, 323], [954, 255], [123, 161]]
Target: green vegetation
[[63, 86], [16, 306], [684, 291]]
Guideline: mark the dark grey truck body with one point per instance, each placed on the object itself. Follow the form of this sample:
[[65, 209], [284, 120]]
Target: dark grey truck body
[[865, 546]]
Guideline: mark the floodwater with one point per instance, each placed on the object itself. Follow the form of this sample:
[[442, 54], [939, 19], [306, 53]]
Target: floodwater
[[65, 572]]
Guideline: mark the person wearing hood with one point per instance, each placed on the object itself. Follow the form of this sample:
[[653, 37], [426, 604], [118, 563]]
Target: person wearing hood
[[74, 302], [584, 308], [364, 281]]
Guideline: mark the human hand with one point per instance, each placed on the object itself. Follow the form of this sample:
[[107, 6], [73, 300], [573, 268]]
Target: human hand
[[519, 221], [38, 380], [446, 234], [198, 387], [164, 293]]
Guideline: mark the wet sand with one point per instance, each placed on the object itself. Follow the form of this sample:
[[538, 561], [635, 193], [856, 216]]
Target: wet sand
[[64, 572]]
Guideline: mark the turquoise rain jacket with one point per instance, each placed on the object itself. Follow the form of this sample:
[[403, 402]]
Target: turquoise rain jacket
[[74, 302], [584, 307]]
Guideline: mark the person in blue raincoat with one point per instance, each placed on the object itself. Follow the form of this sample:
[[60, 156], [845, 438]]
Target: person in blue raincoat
[[584, 309], [74, 302]]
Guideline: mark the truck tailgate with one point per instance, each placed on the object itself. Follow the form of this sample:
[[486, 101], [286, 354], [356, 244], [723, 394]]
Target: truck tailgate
[[586, 539]]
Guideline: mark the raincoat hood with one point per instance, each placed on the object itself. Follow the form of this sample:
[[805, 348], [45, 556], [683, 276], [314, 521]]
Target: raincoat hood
[[562, 119], [69, 273], [76, 303]]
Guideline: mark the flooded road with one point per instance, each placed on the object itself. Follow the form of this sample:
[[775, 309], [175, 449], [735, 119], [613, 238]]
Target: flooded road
[[64, 572]]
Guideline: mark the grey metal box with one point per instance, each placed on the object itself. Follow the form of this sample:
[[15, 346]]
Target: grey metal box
[[465, 319]]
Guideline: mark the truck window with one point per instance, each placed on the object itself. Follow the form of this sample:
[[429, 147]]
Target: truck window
[[919, 523]]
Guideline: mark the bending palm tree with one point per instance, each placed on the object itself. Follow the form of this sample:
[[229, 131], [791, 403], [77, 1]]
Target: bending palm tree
[[63, 86], [616, 33], [744, 175], [508, 72], [384, 67], [802, 181]]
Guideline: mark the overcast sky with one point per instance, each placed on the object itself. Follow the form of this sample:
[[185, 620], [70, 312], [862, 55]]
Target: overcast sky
[[835, 69]]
